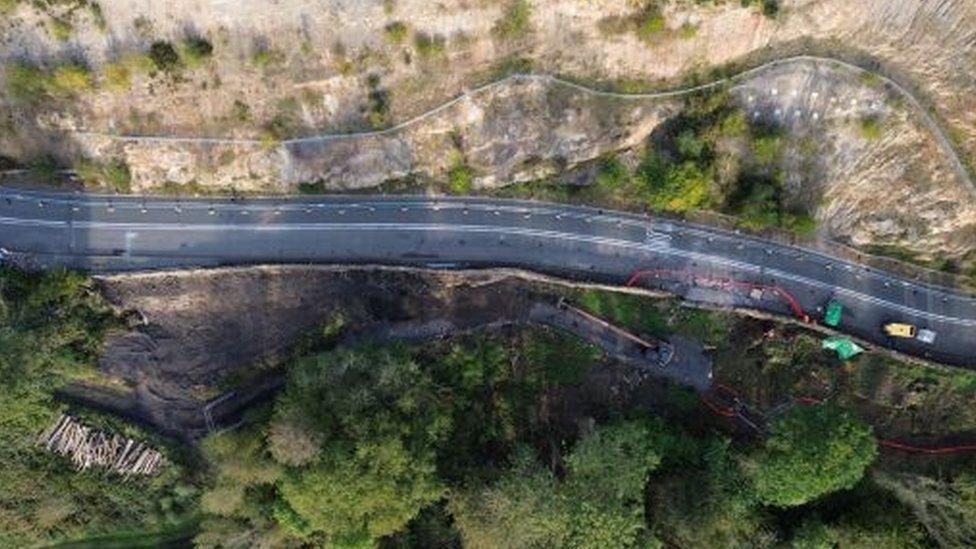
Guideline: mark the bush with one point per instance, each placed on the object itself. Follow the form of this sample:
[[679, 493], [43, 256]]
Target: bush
[[395, 32], [611, 172], [460, 178], [113, 174], [119, 73], [766, 148], [428, 45], [870, 128], [515, 21], [164, 56], [812, 451], [25, 82], [61, 29], [71, 79], [679, 188], [377, 104], [266, 57], [196, 50], [651, 23]]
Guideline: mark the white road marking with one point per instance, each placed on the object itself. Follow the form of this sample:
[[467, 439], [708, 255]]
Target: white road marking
[[657, 247]]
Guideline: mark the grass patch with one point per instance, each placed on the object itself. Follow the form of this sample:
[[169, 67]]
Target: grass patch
[[265, 57], [118, 74], [870, 128], [515, 22], [396, 32], [113, 174], [61, 29], [196, 50], [429, 46], [627, 310], [460, 177]]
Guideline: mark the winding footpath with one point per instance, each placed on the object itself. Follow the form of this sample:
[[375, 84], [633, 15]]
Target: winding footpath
[[111, 233], [931, 122]]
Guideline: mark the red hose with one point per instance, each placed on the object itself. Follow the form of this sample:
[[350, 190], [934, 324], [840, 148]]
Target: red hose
[[790, 300], [886, 443]]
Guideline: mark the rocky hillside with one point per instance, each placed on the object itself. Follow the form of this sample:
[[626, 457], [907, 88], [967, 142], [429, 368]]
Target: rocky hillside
[[267, 81]]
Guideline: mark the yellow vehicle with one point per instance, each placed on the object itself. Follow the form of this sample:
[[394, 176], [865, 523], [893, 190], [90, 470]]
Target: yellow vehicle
[[898, 329]]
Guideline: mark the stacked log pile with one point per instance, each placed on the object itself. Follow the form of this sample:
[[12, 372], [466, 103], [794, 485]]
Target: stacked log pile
[[86, 447]]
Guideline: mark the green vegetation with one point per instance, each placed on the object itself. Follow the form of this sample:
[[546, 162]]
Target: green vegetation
[[196, 50], [597, 504], [649, 22], [240, 112], [429, 46], [812, 451], [362, 440], [377, 103], [164, 56], [113, 174], [118, 73], [498, 439], [870, 128], [264, 57], [396, 32], [30, 84], [460, 177], [51, 328], [61, 29], [515, 22]]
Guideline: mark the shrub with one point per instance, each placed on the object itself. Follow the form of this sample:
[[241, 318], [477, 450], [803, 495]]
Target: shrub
[[812, 451], [240, 111], [70, 79], [870, 128], [114, 174], [428, 45], [164, 56], [766, 148], [460, 178], [266, 57], [25, 82], [611, 172], [61, 29], [118, 73], [395, 32], [196, 50], [515, 21], [651, 23]]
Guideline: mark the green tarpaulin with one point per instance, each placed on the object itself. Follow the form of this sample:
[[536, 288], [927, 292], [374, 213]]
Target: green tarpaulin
[[845, 348], [832, 316]]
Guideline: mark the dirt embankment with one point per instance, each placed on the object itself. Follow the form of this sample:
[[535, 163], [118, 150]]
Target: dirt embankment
[[208, 331]]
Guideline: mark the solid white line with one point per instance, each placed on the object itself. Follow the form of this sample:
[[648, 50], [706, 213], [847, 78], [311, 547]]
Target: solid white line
[[659, 247]]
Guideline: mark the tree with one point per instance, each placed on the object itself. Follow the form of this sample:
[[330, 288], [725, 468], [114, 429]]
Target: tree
[[945, 508], [599, 504], [812, 451], [520, 510], [362, 457], [365, 492]]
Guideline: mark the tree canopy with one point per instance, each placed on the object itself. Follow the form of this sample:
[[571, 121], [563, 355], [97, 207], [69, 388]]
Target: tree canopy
[[812, 451]]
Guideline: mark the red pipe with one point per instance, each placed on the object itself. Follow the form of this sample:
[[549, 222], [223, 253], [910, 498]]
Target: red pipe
[[790, 300]]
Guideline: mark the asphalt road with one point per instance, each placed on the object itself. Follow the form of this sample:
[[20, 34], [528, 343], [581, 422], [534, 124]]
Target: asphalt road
[[105, 234]]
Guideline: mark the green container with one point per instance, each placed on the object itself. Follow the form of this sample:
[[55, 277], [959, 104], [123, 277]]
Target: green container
[[833, 314]]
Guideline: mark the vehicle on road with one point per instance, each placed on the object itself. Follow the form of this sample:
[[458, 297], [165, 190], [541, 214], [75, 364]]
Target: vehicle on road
[[900, 330], [925, 336]]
